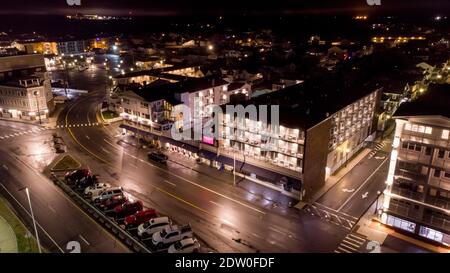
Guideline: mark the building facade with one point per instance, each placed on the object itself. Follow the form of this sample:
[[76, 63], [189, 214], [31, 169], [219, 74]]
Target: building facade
[[25, 91], [417, 196]]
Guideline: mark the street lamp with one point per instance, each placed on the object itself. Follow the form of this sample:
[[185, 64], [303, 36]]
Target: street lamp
[[32, 217], [376, 204], [36, 94]]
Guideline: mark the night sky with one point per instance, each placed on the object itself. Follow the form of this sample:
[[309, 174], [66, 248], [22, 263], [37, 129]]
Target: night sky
[[177, 7]]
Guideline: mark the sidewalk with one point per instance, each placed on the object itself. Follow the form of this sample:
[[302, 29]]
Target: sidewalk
[[8, 240], [255, 188], [333, 179]]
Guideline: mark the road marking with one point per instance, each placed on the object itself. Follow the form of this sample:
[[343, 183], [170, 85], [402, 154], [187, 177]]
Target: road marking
[[217, 204], [5, 167], [343, 244], [106, 151], [168, 182], [256, 235], [353, 240], [365, 195], [348, 190], [84, 240], [51, 208], [276, 230], [364, 183], [74, 205], [357, 238], [350, 243], [343, 213], [345, 250], [37, 223], [88, 137]]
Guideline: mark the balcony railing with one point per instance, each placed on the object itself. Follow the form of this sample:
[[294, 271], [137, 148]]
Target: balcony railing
[[438, 202]]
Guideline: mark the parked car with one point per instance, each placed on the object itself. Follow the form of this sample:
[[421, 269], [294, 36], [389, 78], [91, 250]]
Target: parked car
[[76, 175], [60, 148], [158, 157], [107, 194], [110, 204], [189, 245], [171, 234], [139, 218], [86, 181], [128, 208], [152, 226], [96, 189]]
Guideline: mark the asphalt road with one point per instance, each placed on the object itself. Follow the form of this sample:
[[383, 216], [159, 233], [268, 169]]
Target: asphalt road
[[59, 221], [356, 191], [221, 215]]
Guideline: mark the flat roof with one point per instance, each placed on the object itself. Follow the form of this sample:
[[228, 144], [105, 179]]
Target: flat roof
[[433, 102]]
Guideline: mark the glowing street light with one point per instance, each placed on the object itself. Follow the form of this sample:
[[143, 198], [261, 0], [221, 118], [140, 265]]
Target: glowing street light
[[210, 47]]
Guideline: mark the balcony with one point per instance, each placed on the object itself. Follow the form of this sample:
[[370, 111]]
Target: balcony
[[406, 192], [438, 202], [410, 176]]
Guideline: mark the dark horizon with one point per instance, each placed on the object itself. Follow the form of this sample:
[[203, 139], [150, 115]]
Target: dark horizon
[[231, 7]]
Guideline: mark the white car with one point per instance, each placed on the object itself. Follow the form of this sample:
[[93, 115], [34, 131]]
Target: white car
[[171, 234], [107, 194], [188, 245], [153, 225], [96, 189]]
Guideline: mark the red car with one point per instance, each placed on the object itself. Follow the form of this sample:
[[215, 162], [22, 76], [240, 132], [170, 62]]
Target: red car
[[76, 175], [139, 217], [128, 208], [109, 204]]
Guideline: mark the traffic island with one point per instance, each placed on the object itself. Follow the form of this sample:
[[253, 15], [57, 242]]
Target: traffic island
[[14, 236], [65, 163]]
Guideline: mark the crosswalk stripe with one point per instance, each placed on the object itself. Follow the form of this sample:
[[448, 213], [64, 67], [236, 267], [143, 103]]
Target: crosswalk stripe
[[350, 243], [357, 237], [345, 250], [353, 240], [344, 245], [336, 251]]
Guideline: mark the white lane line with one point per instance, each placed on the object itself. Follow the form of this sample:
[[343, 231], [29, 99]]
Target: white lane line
[[345, 250], [37, 223], [256, 235], [106, 151], [320, 205], [84, 240], [276, 230], [337, 251], [350, 243], [362, 185], [217, 204], [51, 208], [168, 182], [2, 137]]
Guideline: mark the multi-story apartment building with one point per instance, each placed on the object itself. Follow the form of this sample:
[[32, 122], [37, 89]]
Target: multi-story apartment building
[[25, 91], [417, 197], [314, 136], [153, 103], [72, 47], [318, 131]]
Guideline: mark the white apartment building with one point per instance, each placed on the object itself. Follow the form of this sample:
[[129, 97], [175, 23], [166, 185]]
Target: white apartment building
[[417, 196]]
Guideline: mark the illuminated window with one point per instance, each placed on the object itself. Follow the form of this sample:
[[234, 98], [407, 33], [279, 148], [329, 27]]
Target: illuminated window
[[444, 134], [428, 130]]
